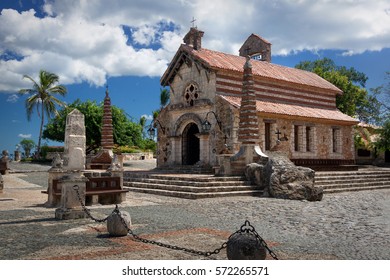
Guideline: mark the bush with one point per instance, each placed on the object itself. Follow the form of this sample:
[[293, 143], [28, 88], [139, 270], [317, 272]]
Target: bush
[[51, 149]]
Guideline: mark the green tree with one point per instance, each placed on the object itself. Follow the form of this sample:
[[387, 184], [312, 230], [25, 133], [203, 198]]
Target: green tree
[[164, 97], [27, 145], [355, 100], [142, 123], [383, 142], [126, 132], [42, 96]]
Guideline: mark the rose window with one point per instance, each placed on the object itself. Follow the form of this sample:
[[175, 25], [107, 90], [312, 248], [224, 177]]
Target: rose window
[[191, 93]]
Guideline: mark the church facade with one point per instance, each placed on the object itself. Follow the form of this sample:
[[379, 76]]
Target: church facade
[[295, 109]]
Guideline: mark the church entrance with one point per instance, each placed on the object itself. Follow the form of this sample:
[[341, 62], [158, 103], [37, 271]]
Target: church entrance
[[191, 150]]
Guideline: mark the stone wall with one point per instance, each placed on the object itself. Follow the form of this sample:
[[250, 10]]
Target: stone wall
[[318, 146], [137, 156]]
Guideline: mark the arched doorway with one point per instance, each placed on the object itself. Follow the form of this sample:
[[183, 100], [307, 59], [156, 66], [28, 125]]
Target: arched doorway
[[190, 145]]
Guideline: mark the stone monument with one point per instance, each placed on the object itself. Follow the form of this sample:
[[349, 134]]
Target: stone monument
[[248, 133], [103, 159], [71, 169], [4, 168]]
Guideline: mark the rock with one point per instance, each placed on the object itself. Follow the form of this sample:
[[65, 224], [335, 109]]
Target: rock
[[254, 173], [115, 224], [1, 183], [245, 246], [285, 180]]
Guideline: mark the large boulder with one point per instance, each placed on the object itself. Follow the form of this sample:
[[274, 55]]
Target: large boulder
[[283, 179], [254, 173]]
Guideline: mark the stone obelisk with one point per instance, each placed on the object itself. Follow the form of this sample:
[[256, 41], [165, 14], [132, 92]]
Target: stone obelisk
[[107, 129], [248, 131], [105, 156]]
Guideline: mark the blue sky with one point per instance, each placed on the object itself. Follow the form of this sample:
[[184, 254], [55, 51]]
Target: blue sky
[[128, 44]]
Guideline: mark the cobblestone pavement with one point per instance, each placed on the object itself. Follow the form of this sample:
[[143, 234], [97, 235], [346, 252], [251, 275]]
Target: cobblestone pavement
[[350, 226]]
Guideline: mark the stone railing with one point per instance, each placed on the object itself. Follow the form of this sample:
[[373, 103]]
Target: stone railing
[[137, 156]]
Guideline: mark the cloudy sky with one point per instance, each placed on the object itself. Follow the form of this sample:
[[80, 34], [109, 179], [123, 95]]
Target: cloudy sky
[[128, 43]]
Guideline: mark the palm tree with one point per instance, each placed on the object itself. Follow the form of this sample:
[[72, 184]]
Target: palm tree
[[42, 97], [164, 98], [142, 123]]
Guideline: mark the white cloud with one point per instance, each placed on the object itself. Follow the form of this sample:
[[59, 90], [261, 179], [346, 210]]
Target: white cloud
[[86, 41], [25, 135], [13, 98], [147, 117]]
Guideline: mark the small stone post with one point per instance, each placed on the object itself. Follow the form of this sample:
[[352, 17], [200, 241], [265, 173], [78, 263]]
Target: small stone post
[[1, 183]]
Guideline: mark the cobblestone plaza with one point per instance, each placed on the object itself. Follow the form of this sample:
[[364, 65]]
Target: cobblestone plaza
[[352, 226]]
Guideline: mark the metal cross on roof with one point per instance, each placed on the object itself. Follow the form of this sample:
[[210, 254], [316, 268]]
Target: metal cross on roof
[[193, 21]]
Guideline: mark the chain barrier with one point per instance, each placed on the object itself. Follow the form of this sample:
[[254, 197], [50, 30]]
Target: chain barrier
[[246, 227]]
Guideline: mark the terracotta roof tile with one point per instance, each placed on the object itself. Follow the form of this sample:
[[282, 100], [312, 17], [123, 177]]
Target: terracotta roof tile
[[220, 60], [294, 110]]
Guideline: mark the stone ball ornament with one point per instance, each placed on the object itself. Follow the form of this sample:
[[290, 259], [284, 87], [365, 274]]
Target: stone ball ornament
[[115, 223], [246, 244]]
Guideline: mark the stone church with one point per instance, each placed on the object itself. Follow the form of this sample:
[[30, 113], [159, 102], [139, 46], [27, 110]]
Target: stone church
[[294, 110]]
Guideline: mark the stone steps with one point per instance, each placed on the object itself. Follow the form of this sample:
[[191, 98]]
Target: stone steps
[[193, 186], [189, 186], [333, 182], [186, 169]]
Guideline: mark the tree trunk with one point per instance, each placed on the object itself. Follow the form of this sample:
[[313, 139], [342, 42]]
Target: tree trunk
[[40, 132]]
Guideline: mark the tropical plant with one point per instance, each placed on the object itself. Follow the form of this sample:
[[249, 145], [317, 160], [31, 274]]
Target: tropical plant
[[355, 100], [42, 96], [27, 145], [125, 131], [164, 97]]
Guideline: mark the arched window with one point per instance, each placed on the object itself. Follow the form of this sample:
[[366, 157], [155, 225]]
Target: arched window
[[191, 93]]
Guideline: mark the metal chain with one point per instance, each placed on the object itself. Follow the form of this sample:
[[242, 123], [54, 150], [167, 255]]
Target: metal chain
[[246, 227], [86, 210], [173, 247], [262, 241]]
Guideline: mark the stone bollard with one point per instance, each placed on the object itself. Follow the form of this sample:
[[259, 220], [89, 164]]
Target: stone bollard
[[115, 224], [1, 183], [245, 246]]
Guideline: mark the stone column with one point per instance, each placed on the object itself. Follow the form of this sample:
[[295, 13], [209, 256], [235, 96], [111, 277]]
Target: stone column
[[73, 167], [107, 129], [74, 154], [204, 147], [175, 150], [104, 157], [17, 156], [248, 132]]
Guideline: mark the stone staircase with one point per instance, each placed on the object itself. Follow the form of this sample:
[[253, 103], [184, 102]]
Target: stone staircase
[[190, 186], [199, 183], [364, 179]]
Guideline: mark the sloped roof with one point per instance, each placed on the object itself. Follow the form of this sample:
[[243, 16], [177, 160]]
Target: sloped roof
[[223, 61], [294, 110]]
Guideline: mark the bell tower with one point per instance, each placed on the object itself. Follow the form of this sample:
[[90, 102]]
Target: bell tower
[[257, 48], [194, 38]]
